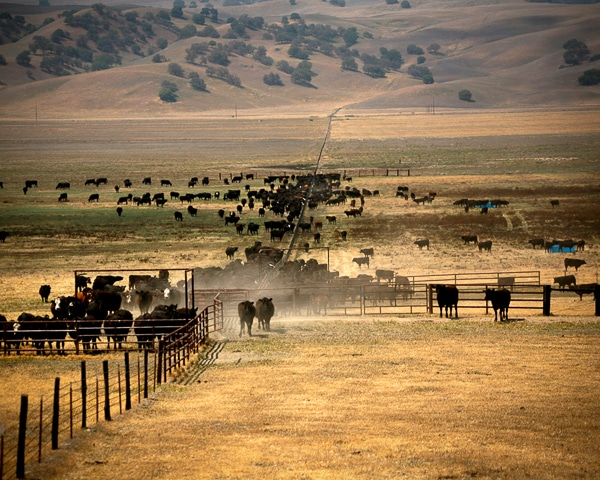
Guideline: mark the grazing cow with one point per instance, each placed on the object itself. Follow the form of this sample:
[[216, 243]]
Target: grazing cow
[[45, 292], [470, 239], [537, 242], [580, 245], [387, 275], [246, 312], [584, 289], [360, 261], [447, 296], [178, 216], [500, 301], [122, 200], [231, 219], [277, 234], [331, 219], [192, 211], [554, 203], [368, 252], [264, 312], [3, 235], [90, 181], [487, 246], [230, 252], [573, 262], [94, 197], [119, 211], [127, 183], [31, 183], [63, 186], [101, 181], [63, 197], [116, 327], [147, 181], [423, 243], [565, 281]]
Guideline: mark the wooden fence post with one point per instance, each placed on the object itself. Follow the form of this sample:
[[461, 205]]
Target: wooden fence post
[[127, 382], [83, 395], [55, 413], [106, 391], [145, 373], [21, 440], [597, 297], [546, 300]]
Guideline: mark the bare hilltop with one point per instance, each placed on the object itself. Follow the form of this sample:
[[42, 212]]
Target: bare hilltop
[[299, 57]]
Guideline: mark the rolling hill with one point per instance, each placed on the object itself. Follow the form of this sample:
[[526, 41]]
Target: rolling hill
[[508, 54]]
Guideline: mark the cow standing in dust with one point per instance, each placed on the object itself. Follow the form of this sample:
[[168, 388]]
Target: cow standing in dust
[[246, 312], [264, 312]]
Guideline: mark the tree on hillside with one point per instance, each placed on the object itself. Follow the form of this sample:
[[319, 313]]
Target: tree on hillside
[[196, 82], [24, 59], [413, 49], [590, 77], [175, 69], [272, 79], [350, 36], [405, 4], [349, 63], [576, 52], [465, 96], [167, 95], [434, 49]]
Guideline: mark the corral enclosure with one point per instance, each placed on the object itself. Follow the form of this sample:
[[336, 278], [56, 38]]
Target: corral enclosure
[[526, 165]]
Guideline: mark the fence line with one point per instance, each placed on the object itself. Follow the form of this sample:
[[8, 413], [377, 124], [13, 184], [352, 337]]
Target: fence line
[[101, 396]]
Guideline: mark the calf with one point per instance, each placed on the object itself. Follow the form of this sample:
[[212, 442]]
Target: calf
[[230, 252], [246, 312], [45, 292], [423, 243], [500, 301]]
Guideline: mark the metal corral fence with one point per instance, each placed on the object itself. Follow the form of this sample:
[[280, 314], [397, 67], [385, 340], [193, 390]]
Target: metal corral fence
[[98, 397], [412, 297]]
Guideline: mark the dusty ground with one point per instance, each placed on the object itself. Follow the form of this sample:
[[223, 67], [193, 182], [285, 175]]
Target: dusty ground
[[366, 399], [375, 397]]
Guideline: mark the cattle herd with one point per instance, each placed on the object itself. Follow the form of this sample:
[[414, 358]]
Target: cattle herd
[[102, 308], [106, 308]]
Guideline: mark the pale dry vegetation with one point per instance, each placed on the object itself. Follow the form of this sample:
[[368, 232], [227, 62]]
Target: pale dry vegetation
[[359, 398]]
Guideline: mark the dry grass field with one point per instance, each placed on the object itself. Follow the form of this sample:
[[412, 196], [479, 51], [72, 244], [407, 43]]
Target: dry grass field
[[373, 397]]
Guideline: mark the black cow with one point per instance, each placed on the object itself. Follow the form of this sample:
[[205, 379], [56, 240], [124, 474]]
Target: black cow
[[487, 246], [447, 296], [331, 219], [554, 203], [116, 327], [573, 262], [45, 292], [147, 181], [101, 281], [422, 243], [360, 261], [230, 252], [264, 312], [166, 183], [3, 235], [231, 219], [178, 216], [192, 211], [500, 302], [537, 242], [101, 181], [470, 238], [205, 181], [583, 289], [63, 197], [565, 281], [277, 234], [387, 275], [82, 282], [368, 252], [63, 186], [246, 312], [119, 211], [94, 197], [31, 183]]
